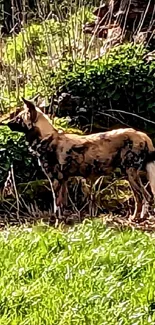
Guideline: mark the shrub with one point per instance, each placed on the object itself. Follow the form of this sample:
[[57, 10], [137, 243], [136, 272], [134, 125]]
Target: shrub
[[13, 150], [121, 80]]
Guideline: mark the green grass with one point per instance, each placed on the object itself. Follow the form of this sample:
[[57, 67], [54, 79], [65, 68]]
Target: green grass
[[85, 275]]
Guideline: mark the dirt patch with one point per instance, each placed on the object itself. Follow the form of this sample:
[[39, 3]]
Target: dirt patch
[[69, 218]]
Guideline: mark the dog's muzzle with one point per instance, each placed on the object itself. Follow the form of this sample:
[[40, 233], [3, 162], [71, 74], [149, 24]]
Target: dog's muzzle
[[17, 125]]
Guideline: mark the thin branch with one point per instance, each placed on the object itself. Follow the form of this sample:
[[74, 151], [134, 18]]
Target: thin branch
[[115, 118], [16, 193], [128, 113]]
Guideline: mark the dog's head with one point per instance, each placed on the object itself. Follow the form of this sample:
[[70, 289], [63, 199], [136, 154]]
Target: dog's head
[[31, 120]]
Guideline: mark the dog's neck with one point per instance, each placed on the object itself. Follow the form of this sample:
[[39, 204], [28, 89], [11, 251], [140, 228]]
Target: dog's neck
[[45, 127], [42, 140]]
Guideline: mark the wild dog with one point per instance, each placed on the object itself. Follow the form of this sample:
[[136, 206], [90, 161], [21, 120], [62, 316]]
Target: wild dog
[[66, 155]]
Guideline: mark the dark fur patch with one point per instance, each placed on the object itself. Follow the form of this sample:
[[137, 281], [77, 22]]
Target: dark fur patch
[[105, 137], [32, 135], [128, 143]]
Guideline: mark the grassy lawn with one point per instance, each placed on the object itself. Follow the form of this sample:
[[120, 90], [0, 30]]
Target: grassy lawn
[[86, 275]]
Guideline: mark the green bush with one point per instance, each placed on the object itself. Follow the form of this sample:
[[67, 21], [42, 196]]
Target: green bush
[[13, 150], [120, 80]]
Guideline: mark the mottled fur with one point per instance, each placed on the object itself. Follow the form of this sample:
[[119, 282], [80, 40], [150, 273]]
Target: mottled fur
[[90, 156]]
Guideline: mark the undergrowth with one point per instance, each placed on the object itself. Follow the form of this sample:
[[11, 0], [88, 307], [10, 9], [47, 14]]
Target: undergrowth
[[84, 275]]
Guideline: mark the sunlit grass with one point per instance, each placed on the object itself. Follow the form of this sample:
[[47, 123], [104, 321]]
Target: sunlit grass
[[86, 275]]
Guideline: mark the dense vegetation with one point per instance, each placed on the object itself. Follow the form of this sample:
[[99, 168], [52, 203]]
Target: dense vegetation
[[120, 81], [14, 151], [13, 14], [52, 56], [40, 60], [86, 275]]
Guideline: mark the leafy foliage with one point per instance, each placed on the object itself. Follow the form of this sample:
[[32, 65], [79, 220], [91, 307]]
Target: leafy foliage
[[51, 55], [121, 80], [13, 150]]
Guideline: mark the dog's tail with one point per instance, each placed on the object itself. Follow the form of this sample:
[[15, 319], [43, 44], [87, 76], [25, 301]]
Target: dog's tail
[[150, 168]]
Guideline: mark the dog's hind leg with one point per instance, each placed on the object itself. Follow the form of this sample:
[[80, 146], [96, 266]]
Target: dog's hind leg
[[141, 196]]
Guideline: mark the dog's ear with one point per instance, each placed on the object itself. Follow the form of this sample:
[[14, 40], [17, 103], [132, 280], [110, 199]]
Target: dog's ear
[[30, 106]]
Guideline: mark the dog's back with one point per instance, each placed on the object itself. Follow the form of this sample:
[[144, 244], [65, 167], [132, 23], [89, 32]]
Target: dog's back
[[100, 153]]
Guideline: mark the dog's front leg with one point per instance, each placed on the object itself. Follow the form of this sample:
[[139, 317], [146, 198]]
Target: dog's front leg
[[60, 188]]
